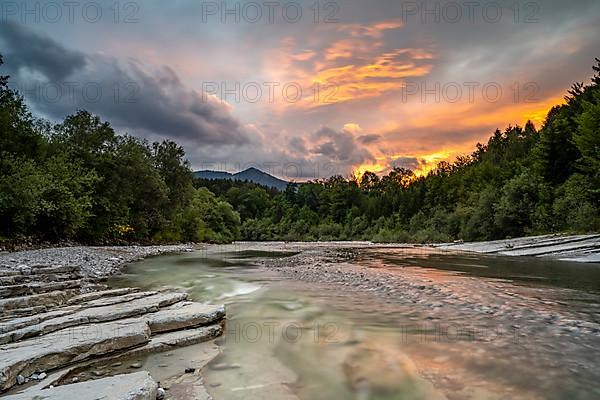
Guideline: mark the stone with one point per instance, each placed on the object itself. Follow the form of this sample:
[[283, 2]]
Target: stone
[[98, 314], [184, 315], [82, 298], [20, 379], [67, 346], [22, 322], [50, 299], [167, 341], [160, 394], [136, 365], [136, 386]]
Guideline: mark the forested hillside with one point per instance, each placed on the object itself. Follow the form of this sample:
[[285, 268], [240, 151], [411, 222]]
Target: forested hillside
[[524, 181], [81, 180]]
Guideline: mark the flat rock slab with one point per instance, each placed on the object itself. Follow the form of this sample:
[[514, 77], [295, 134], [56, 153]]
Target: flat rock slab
[[51, 299], [137, 386], [16, 279], [107, 301], [36, 288], [157, 344], [583, 248], [95, 315], [22, 322], [184, 315], [97, 299], [82, 298], [79, 343], [172, 340], [67, 346], [38, 270]]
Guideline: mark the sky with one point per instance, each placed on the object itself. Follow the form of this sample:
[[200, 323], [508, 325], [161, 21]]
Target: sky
[[302, 89]]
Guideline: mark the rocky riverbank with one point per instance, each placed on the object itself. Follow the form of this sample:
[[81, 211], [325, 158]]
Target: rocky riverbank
[[580, 248], [59, 319], [89, 261]]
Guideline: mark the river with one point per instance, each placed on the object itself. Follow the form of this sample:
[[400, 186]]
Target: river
[[461, 327]]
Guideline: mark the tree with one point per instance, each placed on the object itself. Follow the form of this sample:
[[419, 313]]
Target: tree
[[587, 138]]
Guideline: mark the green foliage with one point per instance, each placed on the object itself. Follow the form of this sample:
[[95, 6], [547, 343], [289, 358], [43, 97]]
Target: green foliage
[[80, 180], [587, 137], [208, 219], [521, 182]]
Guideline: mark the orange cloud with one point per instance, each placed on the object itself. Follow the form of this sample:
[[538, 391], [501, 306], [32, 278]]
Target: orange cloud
[[431, 151], [352, 67]]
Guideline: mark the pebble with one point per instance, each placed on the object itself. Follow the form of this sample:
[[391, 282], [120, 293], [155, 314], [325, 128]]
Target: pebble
[[136, 365], [92, 261], [21, 379], [190, 370], [160, 394]]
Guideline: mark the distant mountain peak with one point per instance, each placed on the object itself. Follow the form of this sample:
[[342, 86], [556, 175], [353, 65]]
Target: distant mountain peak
[[251, 174]]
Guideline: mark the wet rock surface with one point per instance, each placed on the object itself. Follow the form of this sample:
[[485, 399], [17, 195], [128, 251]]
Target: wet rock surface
[[58, 317], [581, 248], [137, 386]]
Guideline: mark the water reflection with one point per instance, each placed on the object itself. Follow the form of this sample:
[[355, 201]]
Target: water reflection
[[287, 339]]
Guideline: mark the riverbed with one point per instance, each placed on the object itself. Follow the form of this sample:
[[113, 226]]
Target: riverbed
[[359, 322]]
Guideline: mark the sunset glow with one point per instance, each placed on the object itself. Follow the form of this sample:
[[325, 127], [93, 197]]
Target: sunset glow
[[369, 89]]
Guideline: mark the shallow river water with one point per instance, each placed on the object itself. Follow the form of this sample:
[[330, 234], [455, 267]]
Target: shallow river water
[[469, 327]]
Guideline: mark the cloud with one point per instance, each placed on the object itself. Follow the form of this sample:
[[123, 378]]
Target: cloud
[[151, 102], [369, 139], [412, 163], [340, 146], [369, 56], [28, 50]]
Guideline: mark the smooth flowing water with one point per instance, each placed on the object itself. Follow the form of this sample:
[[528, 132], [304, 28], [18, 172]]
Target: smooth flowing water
[[480, 328]]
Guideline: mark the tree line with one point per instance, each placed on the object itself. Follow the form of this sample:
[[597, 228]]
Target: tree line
[[524, 181], [80, 180]]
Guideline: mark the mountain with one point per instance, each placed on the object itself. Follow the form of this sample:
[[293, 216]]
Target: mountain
[[253, 175]]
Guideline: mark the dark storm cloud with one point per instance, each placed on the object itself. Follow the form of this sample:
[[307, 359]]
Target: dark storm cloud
[[297, 145], [27, 49], [147, 102], [340, 146], [411, 163], [369, 139]]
